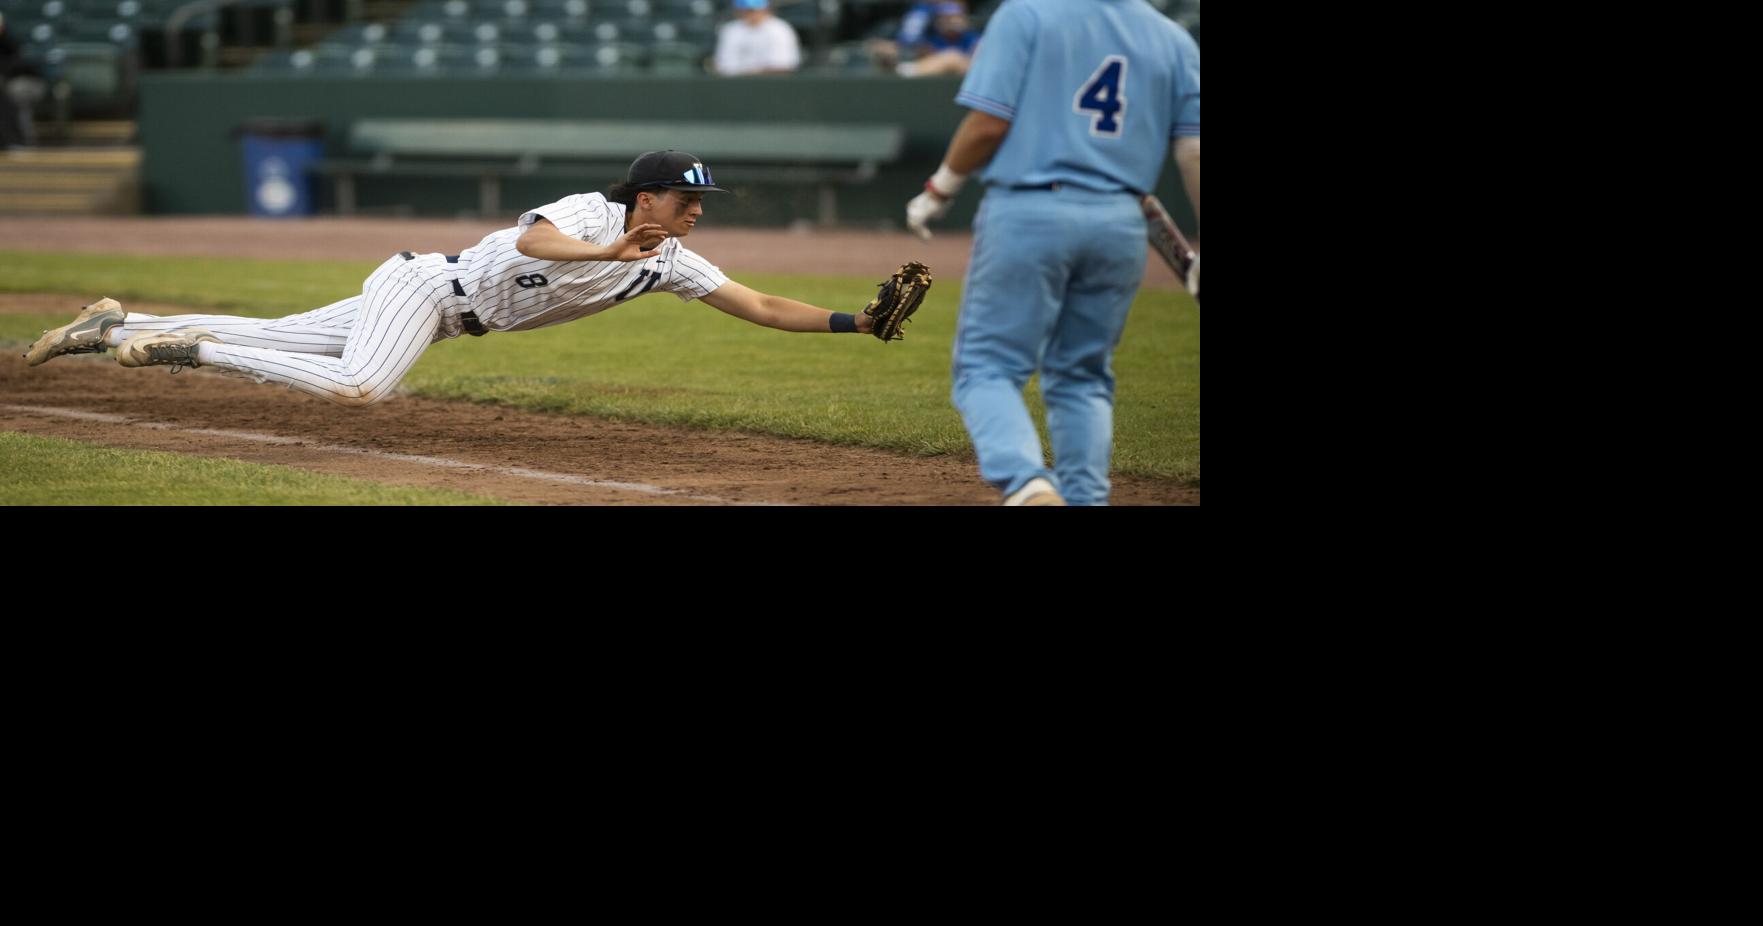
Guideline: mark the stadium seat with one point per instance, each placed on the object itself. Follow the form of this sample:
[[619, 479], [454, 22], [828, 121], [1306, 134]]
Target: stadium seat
[[687, 9], [429, 32], [562, 9], [615, 58], [851, 58], [694, 31], [805, 15], [93, 70], [483, 58], [551, 58], [677, 58]]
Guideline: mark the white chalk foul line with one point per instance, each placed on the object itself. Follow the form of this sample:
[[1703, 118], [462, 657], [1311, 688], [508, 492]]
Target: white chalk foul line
[[442, 462]]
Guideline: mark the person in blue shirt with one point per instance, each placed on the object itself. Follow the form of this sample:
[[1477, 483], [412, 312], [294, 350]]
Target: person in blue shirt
[[1073, 104], [934, 39]]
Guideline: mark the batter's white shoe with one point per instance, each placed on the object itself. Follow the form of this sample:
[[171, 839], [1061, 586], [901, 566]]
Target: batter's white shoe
[[1036, 494], [176, 348], [83, 335]]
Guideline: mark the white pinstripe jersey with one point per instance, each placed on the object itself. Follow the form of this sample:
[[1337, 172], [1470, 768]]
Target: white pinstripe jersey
[[512, 292]]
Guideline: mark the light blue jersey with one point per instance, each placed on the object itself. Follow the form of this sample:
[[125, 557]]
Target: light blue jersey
[[1094, 91]]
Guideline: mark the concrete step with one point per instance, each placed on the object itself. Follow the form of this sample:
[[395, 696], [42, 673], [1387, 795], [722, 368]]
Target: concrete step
[[57, 181], [91, 132], [125, 199], [62, 158], [70, 181], [52, 204]]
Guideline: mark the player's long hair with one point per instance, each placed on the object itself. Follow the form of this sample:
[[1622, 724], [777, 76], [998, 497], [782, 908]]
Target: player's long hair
[[625, 194]]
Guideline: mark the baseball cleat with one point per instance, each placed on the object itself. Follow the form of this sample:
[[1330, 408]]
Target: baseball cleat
[[83, 335], [176, 348], [1036, 494]]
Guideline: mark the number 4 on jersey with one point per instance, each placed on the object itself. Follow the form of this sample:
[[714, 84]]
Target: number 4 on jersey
[[1102, 96]]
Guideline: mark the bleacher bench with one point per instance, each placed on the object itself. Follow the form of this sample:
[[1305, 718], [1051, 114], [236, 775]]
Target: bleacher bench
[[599, 152]]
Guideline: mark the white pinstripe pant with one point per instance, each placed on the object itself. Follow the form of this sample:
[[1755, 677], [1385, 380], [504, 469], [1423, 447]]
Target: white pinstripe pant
[[352, 352]]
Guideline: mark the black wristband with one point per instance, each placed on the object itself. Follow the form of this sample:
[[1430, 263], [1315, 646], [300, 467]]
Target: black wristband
[[842, 323]]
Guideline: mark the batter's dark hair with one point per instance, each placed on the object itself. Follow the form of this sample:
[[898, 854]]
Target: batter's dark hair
[[625, 193]]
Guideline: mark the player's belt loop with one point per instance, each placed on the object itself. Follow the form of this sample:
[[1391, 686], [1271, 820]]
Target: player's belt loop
[[468, 321]]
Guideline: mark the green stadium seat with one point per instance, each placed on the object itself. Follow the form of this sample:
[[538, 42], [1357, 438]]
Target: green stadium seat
[[427, 32], [696, 31], [482, 58], [95, 72], [616, 57], [677, 58], [550, 59], [805, 15], [688, 9], [851, 58]]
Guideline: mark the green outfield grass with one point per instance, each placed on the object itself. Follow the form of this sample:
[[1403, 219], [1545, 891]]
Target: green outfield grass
[[660, 360], [51, 471]]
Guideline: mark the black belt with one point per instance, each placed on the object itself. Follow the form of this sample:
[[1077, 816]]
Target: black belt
[[1056, 187], [468, 320]]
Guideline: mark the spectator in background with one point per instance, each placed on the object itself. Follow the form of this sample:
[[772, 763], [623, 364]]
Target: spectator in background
[[20, 86], [934, 39], [756, 42]]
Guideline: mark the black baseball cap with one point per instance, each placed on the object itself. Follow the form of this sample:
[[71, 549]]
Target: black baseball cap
[[671, 170]]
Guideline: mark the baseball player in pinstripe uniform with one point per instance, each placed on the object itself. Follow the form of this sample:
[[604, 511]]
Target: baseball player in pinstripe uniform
[[1074, 103], [572, 258]]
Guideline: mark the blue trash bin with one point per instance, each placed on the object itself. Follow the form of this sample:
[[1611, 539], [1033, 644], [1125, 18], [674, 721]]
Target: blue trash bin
[[277, 154]]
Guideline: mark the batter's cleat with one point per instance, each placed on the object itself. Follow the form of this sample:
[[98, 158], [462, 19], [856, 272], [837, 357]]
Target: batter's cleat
[[83, 335], [1037, 493], [159, 348]]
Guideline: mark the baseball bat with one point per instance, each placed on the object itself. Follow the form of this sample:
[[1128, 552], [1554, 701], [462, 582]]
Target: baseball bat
[[1171, 245]]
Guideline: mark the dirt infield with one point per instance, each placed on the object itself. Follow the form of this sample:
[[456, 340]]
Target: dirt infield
[[156, 410], [486, 450]]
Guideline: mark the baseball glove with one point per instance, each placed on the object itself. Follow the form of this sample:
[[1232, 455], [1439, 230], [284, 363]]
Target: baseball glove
[[899, 298]]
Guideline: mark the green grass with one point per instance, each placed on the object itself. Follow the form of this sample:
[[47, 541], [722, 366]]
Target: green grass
[[259, 288], [660, 360], [52, 471]]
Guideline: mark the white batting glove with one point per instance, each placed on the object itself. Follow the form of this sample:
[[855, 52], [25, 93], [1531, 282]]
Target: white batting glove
[[939, 191], [921, 209]]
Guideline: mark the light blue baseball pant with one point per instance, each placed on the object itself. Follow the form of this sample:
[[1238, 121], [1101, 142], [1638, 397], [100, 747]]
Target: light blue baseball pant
[[1051, 281]]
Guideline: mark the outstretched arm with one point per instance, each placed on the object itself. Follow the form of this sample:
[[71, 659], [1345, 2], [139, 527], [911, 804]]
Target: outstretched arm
[[776, 311], [546, 241]]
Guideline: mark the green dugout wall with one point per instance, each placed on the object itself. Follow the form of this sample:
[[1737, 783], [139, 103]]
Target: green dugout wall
[[192, 163]]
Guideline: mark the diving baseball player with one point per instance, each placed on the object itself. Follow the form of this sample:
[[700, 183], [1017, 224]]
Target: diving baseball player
[[567, 260], [1074, 103]]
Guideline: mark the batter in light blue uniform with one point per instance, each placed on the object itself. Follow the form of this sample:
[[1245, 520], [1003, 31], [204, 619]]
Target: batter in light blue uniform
[[1074, 105]]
